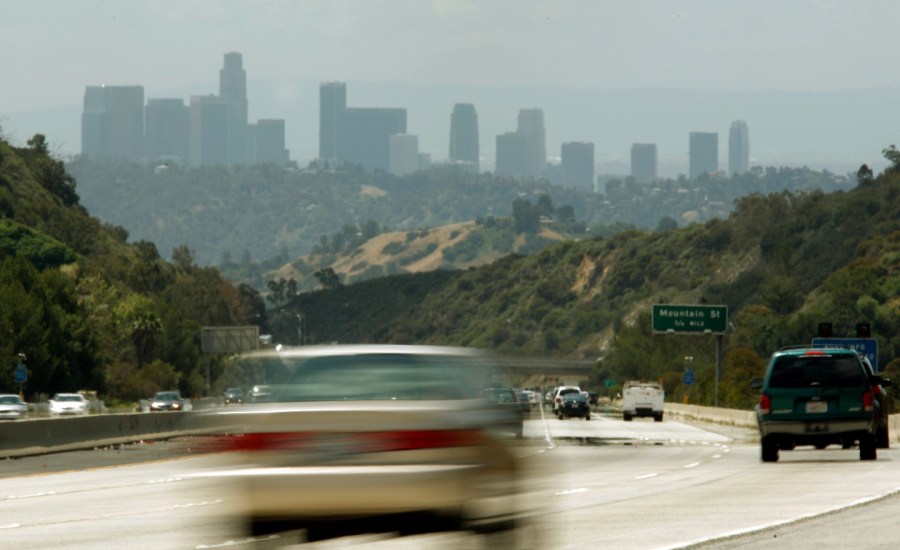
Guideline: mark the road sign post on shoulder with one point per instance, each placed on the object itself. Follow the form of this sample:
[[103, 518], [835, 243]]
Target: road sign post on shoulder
[[695, 319]]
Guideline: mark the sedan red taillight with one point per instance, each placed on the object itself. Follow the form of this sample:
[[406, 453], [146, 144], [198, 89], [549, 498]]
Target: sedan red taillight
[[357, 442]]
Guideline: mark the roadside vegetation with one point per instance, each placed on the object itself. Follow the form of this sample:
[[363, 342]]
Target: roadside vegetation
[[93, 309]]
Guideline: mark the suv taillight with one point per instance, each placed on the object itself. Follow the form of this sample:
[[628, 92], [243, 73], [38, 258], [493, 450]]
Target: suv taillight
[[868, 401], [765, 404]]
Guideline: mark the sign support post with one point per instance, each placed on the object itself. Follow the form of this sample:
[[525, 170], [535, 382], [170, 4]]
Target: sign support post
[[693, 319]]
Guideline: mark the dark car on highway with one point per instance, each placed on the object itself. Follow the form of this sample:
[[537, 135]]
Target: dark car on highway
[[507, 399], [575, 404], [234, 396], [819, 397], [879, 390]]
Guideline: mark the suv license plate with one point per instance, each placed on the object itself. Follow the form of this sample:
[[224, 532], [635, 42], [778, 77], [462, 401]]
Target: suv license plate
[[816, 406]]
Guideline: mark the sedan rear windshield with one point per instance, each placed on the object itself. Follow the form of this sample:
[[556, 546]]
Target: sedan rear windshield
[[385, 377], [833, 371]]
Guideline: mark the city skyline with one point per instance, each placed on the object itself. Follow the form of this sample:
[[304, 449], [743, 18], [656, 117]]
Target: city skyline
[[808, 99], [214, 129]]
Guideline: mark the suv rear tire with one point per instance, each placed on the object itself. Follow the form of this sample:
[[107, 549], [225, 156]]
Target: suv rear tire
[[867, 450], [769, 449], [883, 438]]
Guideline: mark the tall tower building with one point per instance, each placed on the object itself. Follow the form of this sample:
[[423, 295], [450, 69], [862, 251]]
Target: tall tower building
[[167, 131], [578, 165], [363, 136], [531, 125], [704, 153], [267, 137], [209, 143], [643, 162], [738, 148], [112, 123], [404, 154], [233, 90], [332, 102], [95, 123], [464, 147], [512, 154]]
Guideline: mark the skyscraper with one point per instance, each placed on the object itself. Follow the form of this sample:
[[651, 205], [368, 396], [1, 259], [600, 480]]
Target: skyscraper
[[704, 153], [643, 162], [512, 154], [363, 136], [167, 131], [738, 148], [332, 102], [464, 147], [578, 165], [404, 154], [267, 137], [95, 123], [233, 90], [531, 125], [209, 143], [112, 123]]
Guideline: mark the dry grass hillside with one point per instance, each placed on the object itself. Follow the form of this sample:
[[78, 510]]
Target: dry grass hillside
[[407, 252]]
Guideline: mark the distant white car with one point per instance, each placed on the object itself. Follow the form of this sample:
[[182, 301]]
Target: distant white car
[[12, 407], [68, 404]]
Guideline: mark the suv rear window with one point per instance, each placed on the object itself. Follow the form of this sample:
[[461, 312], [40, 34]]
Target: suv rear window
[[802, 371]]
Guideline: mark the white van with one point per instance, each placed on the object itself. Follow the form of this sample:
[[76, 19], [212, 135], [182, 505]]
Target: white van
[[642, 399]]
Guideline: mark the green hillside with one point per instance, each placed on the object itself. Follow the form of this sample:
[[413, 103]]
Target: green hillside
[[87, 309], [781, 263], [91, 309]]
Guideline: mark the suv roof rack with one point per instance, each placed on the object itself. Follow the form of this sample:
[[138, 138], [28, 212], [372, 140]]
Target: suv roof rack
[[818, 346]]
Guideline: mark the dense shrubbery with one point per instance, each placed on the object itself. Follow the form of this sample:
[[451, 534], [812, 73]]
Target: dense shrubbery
[[781, 263], [89, 311]]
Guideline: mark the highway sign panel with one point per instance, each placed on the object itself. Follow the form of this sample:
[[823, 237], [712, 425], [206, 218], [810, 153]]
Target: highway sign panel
[[863, 346], [690, 319], [689, 376], [21, 374]]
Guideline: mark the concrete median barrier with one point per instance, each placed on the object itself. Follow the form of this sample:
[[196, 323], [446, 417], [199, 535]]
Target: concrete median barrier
[[47, 435]]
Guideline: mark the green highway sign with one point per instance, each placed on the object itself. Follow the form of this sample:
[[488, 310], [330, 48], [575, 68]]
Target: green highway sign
[[690, 319]]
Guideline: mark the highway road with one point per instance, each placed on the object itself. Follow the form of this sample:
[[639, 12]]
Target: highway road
[[599, 483]]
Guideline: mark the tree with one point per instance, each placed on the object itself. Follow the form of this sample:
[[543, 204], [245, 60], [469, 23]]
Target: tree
[[328, 278], [136, 317], [525, 217], [892, 154], [666, 223], [864, 175], [183, 257]]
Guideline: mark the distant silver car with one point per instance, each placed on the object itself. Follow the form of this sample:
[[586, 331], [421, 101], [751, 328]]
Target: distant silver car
[[12, 407], [356, 431], [64, 404]]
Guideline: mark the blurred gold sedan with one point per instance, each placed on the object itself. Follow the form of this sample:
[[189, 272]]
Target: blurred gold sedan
[[362, 431]]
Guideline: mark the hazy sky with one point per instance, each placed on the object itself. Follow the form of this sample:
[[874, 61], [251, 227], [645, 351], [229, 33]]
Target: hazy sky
[[51, 49]]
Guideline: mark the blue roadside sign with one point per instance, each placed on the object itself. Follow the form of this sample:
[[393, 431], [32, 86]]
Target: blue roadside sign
[[863, 346], [21, 374], [689, 376]]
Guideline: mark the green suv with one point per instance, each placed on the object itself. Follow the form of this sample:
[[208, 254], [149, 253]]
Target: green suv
[[818, 396]]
